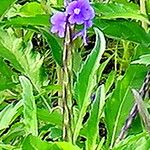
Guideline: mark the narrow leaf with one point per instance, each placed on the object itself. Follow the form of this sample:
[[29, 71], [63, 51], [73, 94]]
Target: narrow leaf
[[7, 115], [88, 70], [144, 59], [86, 79], [92, 125]]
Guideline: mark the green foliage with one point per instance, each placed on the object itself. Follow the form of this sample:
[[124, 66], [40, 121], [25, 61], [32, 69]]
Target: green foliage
[[32, 142], [31, 9], [87, 72], [119, 104], [33, 113]]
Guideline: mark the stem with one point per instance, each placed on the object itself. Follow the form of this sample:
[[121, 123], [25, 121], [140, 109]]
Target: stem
[[143, 11], [60, 82], [67, 86]]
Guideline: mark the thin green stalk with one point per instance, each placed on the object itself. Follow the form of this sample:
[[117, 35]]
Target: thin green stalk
[[67, 87], [143, 11], [43, 98], [60, 82]]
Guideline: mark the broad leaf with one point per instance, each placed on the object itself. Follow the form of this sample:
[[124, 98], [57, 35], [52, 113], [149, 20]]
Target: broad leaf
[[66, 146], [6, 75], [35, 143], [29, 106], [136, 142], [123, 29], [119, 104], [119, 10], [31, 9], [88, 70], [55, 117], [26, 21]]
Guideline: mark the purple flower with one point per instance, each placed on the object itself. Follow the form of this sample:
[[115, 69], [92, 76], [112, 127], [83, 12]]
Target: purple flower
[[80, 11], [58, 21], [77, 12]]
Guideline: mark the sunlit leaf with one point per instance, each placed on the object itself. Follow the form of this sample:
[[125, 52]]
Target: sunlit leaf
[[119, 10], [144, 59], [29, 107], [8, 114]]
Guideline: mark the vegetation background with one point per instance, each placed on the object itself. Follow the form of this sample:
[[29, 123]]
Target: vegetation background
[[106, 78]]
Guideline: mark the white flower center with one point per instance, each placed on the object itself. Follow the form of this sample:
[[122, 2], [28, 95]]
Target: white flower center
[[77, 11]]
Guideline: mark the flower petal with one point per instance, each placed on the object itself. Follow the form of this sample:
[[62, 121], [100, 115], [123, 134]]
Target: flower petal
[[88, 23], [58, 18], [61, 33], [54, 29], [88, 13], [70, 8]]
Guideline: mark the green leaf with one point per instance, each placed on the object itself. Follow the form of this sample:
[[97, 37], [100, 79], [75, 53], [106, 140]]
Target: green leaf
[[8, 115], [6, 76], [54, 45], [16, 131], [22, 58], [31, 9], [5, 5], [88, 70], [123, 29], [6, 146], [120, 103], [30, 114], [144, 59], [110, 80], [85, 78], [55, 117], [134, 142], [66, 146], [119, 10], [26, 21], [35, 143], [92, 125]]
